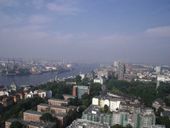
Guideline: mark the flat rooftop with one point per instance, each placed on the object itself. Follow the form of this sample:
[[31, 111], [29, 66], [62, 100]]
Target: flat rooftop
[[33, 112], [82, 123], [59, 100], [37, 124]]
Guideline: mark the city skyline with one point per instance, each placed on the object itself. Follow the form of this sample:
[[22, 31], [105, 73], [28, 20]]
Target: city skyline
[[86, 31]]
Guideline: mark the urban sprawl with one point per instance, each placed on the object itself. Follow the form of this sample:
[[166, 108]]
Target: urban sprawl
[[117, 96]]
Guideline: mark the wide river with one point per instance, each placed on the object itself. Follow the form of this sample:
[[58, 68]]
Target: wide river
[[43, 78]]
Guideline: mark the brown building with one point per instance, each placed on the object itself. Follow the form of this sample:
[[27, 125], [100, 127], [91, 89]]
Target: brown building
[[52, 108], [57, 102], [16, 98], [30, 124], [62, 118], [74, 91], [43, 108], [59, 112], [58, 109], [31, 115]]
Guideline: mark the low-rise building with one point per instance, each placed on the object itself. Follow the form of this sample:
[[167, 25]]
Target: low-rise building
[[28, 94], [4, 93], [163, 78], [31, 115], [111, 101], [57, 102], [58, 108], [43, 93], [30, 124], [98, 80], [40, 93]]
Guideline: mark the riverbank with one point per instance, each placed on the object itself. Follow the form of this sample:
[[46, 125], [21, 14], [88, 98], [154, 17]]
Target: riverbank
[[45, 77]]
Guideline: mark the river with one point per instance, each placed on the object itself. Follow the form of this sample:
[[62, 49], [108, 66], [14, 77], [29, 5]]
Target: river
[[43, 78]]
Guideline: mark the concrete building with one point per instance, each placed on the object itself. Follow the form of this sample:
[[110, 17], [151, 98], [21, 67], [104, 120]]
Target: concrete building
[[114, 105], [123, 111], [137, 119], [82, 123], [119, 69], [80, 90], [103, 72], [158, 70], [124, 118], [93, 113], [98, 80], [112, 102], [116, 118], [147, 118], [163, 78]]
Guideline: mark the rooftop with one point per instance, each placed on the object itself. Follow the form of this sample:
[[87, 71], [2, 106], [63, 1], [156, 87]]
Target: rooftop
[[33, 112], [82, 87], [37, 124], [59, 100], [93, 109], [82, 123]]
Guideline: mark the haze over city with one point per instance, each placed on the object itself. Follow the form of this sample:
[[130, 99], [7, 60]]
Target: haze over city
[[86, 30]]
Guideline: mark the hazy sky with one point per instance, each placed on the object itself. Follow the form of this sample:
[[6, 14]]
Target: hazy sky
[[86, 30]]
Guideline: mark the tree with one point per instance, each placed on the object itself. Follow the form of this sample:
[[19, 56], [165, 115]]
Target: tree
[[17, 124], [47, 117], [163, 121], [19, 107], [117, 126], [74, 101], [106, 108], [78, 79], [95, 89], [128, 126], [86, 100]]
